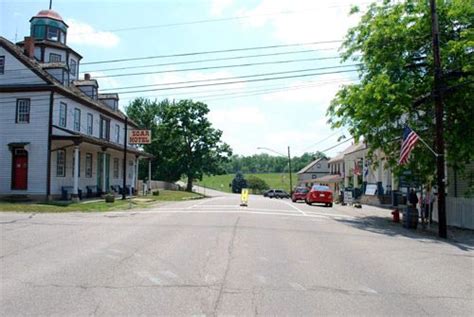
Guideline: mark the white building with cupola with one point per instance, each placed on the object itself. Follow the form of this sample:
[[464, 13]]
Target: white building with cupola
[[59, 135]]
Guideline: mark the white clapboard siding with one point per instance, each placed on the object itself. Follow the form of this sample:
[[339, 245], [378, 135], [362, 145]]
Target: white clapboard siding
[[16, 72], [35, 132]]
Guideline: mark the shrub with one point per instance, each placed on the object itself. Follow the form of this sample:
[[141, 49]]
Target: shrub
[[256, 184]]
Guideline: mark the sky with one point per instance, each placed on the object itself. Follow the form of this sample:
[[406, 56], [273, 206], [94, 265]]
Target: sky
[[252, 113]]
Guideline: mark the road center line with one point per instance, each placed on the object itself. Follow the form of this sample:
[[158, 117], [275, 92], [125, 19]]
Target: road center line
[[294, 207]]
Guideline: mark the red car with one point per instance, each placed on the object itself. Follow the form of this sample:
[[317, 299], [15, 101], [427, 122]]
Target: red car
[[319, 194], [299, 194]]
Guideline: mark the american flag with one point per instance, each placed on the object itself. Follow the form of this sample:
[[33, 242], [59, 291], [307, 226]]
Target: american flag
[[409, 140]]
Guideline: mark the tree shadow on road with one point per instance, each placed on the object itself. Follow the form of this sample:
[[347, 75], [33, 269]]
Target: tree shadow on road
[[462, 239]]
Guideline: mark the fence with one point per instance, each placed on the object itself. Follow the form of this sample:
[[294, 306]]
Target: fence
[[158, 185], [459, 212]]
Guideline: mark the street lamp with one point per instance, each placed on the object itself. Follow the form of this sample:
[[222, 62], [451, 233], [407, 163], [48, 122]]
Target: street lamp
[[281, 154]]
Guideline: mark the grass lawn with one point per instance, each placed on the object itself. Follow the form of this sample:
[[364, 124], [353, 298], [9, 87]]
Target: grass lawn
[[98, 205], [274, 180]]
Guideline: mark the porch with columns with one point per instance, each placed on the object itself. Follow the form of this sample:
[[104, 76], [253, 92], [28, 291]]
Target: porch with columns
[[84, 166]]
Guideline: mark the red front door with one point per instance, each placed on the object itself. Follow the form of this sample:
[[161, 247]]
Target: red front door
[[20, 172]]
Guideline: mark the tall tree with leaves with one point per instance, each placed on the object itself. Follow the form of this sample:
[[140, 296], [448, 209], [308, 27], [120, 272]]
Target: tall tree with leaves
[[183, 140], [392, 42], [189, 140]]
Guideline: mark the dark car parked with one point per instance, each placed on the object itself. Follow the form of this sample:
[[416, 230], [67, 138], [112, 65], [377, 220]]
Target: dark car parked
[[276, 193], [299, 194]]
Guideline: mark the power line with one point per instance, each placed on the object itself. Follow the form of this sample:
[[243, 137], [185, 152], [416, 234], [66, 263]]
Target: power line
[[194, 61], [210, 52], [239, 90], [241, 81], [321, 141], [334, 146], [219, 67], [288, 61], [213, 59], [214, 84], [227, 78], [266, 91]]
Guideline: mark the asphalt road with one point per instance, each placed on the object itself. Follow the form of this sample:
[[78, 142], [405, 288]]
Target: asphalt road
[[212, 257]]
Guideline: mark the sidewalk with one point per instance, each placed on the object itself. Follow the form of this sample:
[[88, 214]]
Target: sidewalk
[[379, 220]]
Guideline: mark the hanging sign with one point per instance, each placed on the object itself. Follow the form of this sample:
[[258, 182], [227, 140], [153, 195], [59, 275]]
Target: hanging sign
[[139, 137]]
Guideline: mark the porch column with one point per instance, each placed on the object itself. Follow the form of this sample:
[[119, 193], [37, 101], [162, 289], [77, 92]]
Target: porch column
[[356, 177], [75, 190], [104, 173], [346, 174], [149, 174], [136, 174], [394, 182], [379, 171]]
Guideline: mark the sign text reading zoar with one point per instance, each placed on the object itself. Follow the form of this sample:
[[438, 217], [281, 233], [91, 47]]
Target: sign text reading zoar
[[139, 137]]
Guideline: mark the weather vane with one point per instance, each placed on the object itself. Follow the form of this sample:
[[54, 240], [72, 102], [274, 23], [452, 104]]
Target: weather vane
[[50, 4]]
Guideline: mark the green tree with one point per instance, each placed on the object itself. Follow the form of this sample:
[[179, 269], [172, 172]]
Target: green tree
[[256, 184], [392, 43], [184, 141], [238, 183]]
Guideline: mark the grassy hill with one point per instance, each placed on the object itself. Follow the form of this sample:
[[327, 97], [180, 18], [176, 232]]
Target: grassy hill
[[274, 180]]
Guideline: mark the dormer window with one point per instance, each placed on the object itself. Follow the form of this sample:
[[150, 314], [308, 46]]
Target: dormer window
[[73, 67], [54, 58], [53, 34]]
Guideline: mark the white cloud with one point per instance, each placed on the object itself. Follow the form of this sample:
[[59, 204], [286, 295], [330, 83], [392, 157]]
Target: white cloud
[[240, 115], [319, 92], [188, 79], [104, 81], [218, 6], [85, 34], [304, 21]]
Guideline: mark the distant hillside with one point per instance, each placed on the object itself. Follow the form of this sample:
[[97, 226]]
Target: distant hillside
[[274, 180]]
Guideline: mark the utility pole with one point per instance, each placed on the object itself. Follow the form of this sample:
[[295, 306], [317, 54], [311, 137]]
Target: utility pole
[[124, 166], [439, 111], [289, 167]]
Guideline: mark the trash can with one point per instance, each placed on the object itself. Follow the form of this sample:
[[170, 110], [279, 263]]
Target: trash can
[[410, 218]]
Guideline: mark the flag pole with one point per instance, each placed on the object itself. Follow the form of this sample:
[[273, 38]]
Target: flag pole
[[429, 148]]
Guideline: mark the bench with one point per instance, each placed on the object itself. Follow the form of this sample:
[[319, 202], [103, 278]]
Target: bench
[[116, 188], [66, 192], [92, 191]]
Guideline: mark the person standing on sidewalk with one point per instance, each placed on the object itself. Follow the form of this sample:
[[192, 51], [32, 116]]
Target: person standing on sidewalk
[[413, 199], [427, 206]]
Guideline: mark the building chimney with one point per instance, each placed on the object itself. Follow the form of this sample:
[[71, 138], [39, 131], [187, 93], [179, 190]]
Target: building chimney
[[29, 47], [87, 76]]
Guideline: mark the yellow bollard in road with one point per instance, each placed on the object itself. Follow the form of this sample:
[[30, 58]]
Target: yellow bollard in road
[[244, 197]]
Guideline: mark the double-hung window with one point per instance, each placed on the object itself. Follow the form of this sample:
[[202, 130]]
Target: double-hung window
[[90, 120], [2, 65], [88, 165], [117, 133], [104, 128], [62, 114], [77, 119], [61, 163], [116, 167], [22, 111]]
